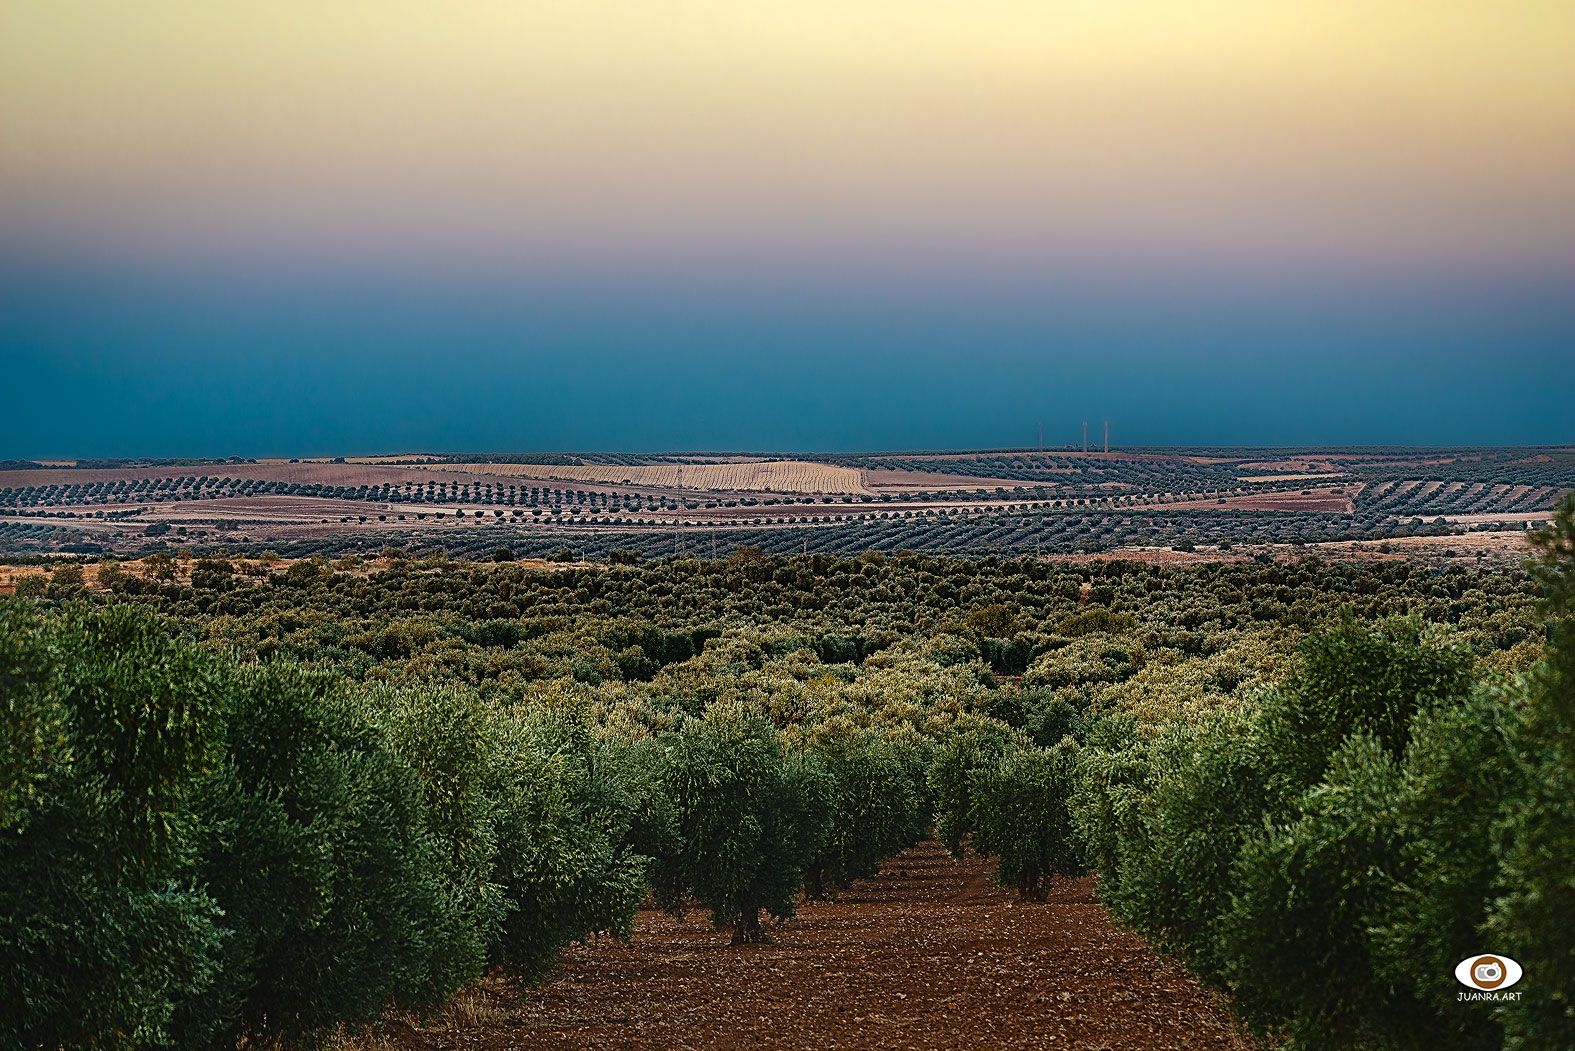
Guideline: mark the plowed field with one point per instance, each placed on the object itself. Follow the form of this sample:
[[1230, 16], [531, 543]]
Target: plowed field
[[929, 954]]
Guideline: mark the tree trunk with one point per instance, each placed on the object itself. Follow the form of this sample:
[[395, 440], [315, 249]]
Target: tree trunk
[[746, 929], [1033, 886], [815, 884]]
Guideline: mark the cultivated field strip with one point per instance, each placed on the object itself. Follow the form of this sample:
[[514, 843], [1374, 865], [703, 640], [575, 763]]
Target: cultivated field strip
[[769, 476]]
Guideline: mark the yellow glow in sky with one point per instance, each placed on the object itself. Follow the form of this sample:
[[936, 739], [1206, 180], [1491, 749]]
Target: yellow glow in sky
[[1382, 128]]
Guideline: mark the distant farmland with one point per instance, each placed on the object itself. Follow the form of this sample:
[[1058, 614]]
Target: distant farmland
[[1145, 503], [769, 476]]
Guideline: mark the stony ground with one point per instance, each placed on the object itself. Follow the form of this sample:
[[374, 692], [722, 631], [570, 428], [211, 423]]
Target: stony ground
[[929, 954]]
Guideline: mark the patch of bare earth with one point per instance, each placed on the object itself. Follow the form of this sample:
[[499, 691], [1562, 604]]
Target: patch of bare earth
[[929, 954]]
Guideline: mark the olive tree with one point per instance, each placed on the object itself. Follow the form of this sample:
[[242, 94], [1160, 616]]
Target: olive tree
[[1019, 816], [875, 807], [106, 727], [1537, 912], [751, 816], [567, 863]]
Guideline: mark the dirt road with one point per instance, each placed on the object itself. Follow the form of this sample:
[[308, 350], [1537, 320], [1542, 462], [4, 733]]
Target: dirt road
[[929, 954]]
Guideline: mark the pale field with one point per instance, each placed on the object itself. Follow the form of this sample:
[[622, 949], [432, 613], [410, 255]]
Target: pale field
[[1507, 516], [387, 458], [1511, 546], [1321, 476], [1503, 547], [765, 476]]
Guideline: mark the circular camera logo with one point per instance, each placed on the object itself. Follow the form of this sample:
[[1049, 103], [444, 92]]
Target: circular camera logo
[[1487, 972]]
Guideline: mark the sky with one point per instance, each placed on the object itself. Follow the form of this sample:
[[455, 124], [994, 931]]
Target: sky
[[299, 228]]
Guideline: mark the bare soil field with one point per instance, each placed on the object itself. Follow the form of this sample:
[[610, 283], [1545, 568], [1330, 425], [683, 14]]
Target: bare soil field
[[265, 509], [315, 504], [929, 954]]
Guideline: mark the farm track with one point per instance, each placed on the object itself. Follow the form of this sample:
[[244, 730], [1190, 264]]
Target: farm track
[[929, 954]]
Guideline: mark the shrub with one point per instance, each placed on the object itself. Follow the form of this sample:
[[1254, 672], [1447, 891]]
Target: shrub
[[1110, 787], [449, 737], [1459, 780]]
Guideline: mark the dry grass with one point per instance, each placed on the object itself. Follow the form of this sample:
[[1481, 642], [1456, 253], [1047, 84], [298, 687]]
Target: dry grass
[[1538, 517], [1510, 546], [766, 476]]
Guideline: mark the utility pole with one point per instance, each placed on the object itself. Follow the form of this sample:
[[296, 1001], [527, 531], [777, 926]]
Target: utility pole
[[1085, 436], [1041, 435], [1107, 436]]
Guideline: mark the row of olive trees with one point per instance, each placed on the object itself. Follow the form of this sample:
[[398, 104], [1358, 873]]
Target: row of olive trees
[[195, 851], [1328, 855]]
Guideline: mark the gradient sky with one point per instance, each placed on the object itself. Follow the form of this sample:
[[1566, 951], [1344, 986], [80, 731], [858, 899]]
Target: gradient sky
[[292, 227]]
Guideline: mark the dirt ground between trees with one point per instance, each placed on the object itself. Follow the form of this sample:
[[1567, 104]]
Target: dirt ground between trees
[[929, 954]]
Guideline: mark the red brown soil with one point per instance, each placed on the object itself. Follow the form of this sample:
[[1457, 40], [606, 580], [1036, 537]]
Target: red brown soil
[[929, 954]]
